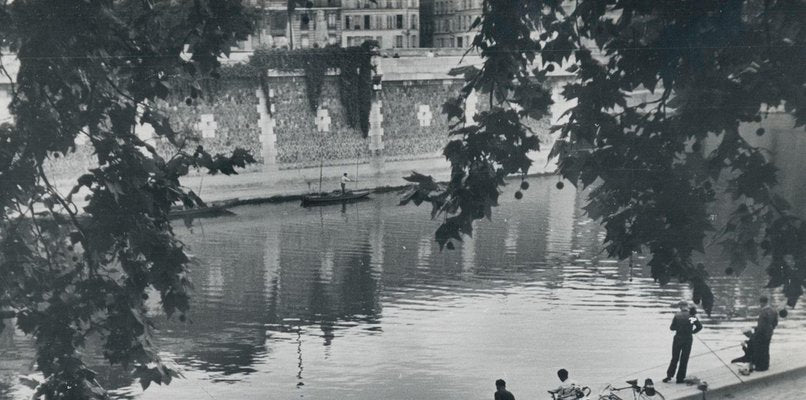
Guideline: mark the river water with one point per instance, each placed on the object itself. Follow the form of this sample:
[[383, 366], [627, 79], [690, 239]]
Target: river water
[[358, 302]]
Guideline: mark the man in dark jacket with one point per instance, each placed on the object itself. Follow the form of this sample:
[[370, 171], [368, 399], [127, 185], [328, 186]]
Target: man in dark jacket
[[685, 325], [501, 392], [767, 321]]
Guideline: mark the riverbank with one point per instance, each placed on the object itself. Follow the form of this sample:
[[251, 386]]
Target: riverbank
[[724, 381], [290, 185]]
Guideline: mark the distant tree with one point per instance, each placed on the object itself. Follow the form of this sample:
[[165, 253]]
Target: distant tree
[[712, 64], [71, 269]]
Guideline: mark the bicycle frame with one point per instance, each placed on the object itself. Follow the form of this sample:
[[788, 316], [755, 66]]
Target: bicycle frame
[[637, 393]]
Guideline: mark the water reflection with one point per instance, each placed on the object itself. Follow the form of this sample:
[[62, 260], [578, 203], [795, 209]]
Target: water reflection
[[359, 302]]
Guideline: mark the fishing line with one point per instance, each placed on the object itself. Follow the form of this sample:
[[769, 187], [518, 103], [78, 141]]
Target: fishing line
[[664, 364], [721, 360]]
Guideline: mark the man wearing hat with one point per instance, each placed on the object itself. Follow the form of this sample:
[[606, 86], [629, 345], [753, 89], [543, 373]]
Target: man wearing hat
[[684, 327]]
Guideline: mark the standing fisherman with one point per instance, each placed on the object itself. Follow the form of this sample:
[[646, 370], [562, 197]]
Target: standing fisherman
[[685, 326], [344, 180], [767, 321]]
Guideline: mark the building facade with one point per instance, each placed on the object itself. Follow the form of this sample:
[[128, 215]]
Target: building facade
[[452, 22], [316, 24], [394, 24]]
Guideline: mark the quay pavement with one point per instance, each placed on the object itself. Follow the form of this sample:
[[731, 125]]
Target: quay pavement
[[786, 378]]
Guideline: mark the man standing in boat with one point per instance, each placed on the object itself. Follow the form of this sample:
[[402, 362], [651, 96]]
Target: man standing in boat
[[344, 180]]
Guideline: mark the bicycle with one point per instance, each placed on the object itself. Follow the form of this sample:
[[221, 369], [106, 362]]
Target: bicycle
[[577, 393], [647, 392]]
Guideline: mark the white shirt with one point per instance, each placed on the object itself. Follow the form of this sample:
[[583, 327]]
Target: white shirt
[[567, 390]]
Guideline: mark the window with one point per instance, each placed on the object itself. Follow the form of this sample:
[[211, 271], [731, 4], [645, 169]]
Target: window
[[452, 43], [379, 22], [347, 23], [459, 41], [278, 23], [398, 41], [304, 22], [349, 41], [399, 21], [367, 19], [390, 22], [414, 21], [331, 20], [413, 41]]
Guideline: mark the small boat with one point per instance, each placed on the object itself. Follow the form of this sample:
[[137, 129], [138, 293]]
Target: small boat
[[212, 210], [336, 197]]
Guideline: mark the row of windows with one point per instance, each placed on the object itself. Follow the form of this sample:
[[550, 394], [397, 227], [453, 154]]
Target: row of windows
[[307, 21], [398, 43], [352, 4], [456, 23], [449, 6], [460, 42], [365, 22]]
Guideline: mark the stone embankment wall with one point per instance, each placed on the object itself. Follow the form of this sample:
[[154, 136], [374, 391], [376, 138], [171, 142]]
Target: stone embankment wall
[[406, 119], [406, 122]]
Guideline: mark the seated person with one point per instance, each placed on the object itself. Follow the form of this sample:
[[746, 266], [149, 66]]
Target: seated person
[[568, 389], [747, 347], [501, 392]]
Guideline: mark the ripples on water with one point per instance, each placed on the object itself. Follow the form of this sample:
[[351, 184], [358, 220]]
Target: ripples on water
[[359, 302]]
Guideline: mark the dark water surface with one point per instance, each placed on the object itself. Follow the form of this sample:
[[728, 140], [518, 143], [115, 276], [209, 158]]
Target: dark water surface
[[359, 303]]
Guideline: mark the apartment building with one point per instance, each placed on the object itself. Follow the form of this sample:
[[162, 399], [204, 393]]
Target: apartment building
[[392, 23], [317, 23], [452, 21]]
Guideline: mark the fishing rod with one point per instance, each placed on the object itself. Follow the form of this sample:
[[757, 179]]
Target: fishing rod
[[720, 359]]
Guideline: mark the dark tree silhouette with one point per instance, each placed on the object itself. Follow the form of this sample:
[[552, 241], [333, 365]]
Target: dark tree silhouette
[[85, 262], [712, 65]]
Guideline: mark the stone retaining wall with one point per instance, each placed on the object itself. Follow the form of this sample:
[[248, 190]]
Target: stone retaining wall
[[277, 124]]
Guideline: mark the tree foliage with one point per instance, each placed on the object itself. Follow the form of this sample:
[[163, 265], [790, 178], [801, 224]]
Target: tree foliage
[[711, 64], [84, 263]]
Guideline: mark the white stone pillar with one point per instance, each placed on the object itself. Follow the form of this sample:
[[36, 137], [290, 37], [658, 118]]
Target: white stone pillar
[[268, 138], [376, 135]]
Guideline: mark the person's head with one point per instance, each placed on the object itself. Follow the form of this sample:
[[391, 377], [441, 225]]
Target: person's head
[[500, 384], [692, 311], [763, 300], [562, 374], [683, 306], [345, 174], [748, 333]]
